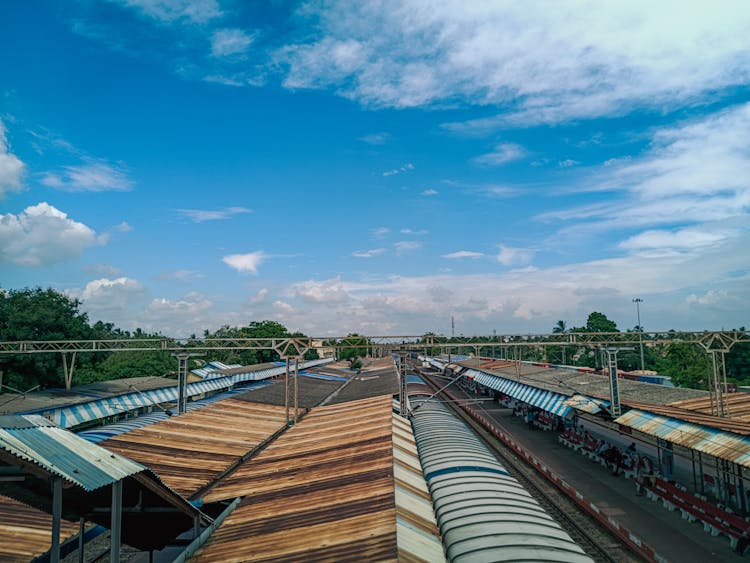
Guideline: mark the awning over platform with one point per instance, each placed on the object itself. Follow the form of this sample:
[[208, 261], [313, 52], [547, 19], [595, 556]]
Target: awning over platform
[[587, 404], [546, 400], [724, 445]]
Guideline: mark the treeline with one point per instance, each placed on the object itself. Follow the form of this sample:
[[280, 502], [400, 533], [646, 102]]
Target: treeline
[[47, 314], [687, 364]]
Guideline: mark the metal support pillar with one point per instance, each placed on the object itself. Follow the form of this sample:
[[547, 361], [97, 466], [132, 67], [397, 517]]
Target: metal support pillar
[[54, 552], [81, 532], [68, 369], [181, 382], [115, 527], [296, 388], [718, 385], [286, 389], [610, 355], [403, 396]]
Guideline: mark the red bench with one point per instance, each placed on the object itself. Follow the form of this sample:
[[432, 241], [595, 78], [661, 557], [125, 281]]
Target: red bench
[[714, 519]]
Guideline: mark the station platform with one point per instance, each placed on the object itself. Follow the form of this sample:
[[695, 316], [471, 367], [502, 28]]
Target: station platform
[[671, 537]]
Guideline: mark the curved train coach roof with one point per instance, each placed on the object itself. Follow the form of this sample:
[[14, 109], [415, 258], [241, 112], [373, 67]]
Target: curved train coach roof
[[484, 514]]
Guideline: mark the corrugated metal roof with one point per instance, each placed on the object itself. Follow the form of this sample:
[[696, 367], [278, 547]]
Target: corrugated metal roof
[[737, 406], [25, 532], [700, 418], [324, 490], [571, 381], [586, 404], [724, 445], [189, 450], [34, 439], [546, 400]]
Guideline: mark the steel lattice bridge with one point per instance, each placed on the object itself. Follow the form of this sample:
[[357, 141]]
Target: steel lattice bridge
[[715, 343], [710, 341]]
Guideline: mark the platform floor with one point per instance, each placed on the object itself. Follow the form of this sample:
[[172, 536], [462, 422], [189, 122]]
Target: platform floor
[[670, 536]]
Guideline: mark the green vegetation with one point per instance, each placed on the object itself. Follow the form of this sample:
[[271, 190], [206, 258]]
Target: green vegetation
[[46, 314]]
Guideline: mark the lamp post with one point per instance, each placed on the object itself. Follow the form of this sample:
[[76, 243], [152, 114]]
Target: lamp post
[[637, 302]]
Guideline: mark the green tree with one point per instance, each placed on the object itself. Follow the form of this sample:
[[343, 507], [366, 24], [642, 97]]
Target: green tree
[[355, 346], [598, 322], [138, 364], [686, 364], [38, 314]]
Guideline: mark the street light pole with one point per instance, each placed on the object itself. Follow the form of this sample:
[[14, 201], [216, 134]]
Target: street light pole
[[637, 302]]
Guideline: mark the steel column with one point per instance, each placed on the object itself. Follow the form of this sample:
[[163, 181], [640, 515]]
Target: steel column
[[54, 552], [115, 527]]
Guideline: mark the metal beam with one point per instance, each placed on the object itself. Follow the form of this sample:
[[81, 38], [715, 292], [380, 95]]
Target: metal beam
[[297, 346]]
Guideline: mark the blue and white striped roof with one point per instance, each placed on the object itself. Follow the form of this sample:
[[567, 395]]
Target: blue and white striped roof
[[546, 400], [73, 415], [211, 367]]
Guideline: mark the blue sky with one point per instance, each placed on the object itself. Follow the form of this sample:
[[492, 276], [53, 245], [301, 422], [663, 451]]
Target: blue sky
[[378, 167]]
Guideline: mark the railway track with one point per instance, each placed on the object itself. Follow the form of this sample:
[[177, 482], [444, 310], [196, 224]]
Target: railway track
[[597, 541]]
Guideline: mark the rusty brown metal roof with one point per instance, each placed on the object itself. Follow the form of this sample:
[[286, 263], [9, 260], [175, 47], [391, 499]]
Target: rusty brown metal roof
[[724, 445], [324, 490], [25, 532], [678, 411], [737, 405], [189, 450]]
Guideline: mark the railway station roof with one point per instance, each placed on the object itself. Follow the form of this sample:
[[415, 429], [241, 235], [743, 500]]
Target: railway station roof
[[344, 483], [34, 450], [190, 450], [707, 440], [26, 532]]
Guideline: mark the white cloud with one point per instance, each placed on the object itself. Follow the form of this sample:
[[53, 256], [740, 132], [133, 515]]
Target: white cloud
[[693, 173], [502, 153], [415, 232], [376, 138], [605, 59], [245, 262], [124, 227], [567, 163], [171, 11], [676, 240], [408, 167], [103, 270], [180, 317], [710, 298], [407, 246], [509, 256], [368, 253], [326, 291], [183, 276], [259, 297], [110, 294], [283, 307], [429, 192], [230, 42], [94, 176], [463, 254], [11, 167], [380, 232], [42, 235], [201, 215]]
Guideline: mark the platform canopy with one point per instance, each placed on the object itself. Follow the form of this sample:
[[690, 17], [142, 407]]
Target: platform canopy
[[546, 400], [34, 452], [718, 443]]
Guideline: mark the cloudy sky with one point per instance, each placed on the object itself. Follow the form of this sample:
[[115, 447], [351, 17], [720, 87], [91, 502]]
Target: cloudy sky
[[379, 166]]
